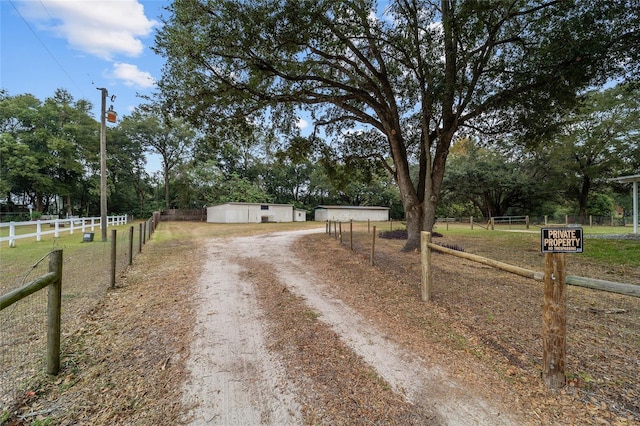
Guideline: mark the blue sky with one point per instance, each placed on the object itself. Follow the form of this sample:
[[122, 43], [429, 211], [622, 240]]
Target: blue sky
[[80, 46]]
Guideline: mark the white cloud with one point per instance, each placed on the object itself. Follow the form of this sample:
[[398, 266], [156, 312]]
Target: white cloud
[[302, 124], [103, 28], [131, 75]]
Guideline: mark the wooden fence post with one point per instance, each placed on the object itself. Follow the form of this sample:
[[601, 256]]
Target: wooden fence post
[[526, 219], [351, 234], [140, 239], [554, 321], [340, 230], [144, 233], [373, 248], [471, 221], [114, 242], [131, 246], [335, 229], [425, 253], [54, 307]]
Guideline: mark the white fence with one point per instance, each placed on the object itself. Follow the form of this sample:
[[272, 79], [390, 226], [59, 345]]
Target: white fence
[[83, 224]]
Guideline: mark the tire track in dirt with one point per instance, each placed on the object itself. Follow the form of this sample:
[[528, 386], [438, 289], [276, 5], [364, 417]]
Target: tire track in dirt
[[234, 380], [226, 361]]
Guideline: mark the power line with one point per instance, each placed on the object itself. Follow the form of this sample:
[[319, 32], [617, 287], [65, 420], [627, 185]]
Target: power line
[[45, 46], [46, 10]]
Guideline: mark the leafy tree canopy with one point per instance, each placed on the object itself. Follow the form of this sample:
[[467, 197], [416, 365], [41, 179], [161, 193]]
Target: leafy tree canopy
[[598, 141], [495, 184], [415, 74]]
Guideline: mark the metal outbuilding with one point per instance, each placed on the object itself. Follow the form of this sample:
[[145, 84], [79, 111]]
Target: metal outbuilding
[[355, 213], [254, 213]]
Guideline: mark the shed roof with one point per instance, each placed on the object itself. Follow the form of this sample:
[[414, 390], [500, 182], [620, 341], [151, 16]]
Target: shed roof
[[354, 207], [251, 204]]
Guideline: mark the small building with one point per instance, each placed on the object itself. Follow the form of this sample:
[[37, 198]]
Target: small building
[[355, 213], [300, 215], [254, 213]]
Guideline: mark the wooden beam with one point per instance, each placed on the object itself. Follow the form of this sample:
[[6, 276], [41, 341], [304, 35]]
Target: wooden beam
[[592, 283]]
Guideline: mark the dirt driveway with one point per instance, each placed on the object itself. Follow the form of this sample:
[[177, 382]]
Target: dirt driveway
[[245, 370]]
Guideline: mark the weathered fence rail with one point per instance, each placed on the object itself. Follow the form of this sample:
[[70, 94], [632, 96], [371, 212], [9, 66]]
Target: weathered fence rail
[[592, 283], [509, 220]]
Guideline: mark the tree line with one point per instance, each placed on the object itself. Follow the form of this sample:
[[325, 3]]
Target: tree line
[[50, 160], [50, 155]]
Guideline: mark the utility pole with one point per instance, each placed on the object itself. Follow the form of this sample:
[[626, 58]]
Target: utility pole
[[103, 165]]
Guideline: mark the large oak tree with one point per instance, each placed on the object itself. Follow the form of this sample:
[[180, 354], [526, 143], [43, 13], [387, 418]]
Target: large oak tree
[[411, 76]]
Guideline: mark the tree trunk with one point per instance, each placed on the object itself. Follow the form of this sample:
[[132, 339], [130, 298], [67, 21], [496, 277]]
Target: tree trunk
[[584, 195], [415, 219], [166, 191], [39, 202], [421, 214]]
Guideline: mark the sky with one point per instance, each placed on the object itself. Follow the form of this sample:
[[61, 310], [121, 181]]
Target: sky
[[81, 46]]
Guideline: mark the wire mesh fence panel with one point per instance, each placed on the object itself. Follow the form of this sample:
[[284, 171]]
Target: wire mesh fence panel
[[23, 332], [126, 248], [85, 279], [86, 276], [603, 337]]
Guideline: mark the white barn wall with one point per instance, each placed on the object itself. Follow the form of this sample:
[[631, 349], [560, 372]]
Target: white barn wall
[[355, 213], [249, 213]]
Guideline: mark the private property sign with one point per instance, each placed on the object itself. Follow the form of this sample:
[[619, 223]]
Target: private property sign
[[561, 240]]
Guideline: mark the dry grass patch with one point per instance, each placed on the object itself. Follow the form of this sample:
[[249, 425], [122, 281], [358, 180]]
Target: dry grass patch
[[485, 326], [125, 362], [337, 386]]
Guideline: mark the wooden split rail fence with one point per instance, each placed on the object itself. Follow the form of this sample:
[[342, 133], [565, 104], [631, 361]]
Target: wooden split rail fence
[[554, 320], [53, 280], [554, 304]]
